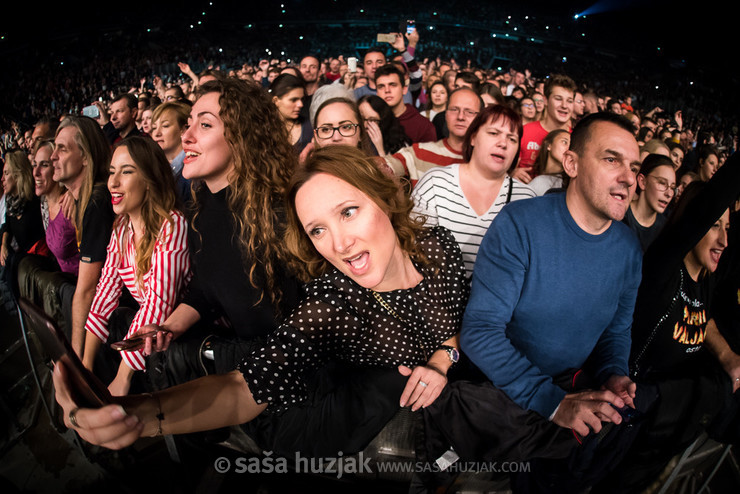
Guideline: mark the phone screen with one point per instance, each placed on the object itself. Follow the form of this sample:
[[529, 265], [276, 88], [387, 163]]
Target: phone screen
[[410, 26]]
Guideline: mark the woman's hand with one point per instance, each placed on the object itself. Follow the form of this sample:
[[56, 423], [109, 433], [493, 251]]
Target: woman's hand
[[3, 254], [423, 386], [522, 175], [108, 426], [373, 131], [152, 344]]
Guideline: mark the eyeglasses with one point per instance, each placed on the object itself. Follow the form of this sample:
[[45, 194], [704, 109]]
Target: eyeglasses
[[345, 130], [466, 112], [528, 105], [662, 184]]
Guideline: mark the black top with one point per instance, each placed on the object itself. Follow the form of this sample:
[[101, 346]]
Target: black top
[[220, 287], [668, 294], [342, 321], [113, 136], [726, 305], [28, 228], [97, 225], [306, 134], [645, 234]]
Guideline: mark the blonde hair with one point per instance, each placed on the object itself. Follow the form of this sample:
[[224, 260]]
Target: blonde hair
[[96, 153], [18, 165]]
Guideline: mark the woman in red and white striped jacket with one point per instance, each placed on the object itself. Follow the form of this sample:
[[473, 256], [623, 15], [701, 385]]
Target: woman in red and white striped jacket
[[147, 253]]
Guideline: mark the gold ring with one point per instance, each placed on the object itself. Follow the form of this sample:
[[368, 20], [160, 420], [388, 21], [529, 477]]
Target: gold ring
[[73, 417]]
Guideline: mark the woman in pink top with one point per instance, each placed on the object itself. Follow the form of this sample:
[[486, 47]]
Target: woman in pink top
[[147, 252], [61, 237]]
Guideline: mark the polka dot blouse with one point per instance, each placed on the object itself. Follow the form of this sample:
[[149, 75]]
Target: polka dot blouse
[[340, 320]]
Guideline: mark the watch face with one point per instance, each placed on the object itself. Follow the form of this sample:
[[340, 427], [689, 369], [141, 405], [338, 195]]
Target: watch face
[[454, 354]]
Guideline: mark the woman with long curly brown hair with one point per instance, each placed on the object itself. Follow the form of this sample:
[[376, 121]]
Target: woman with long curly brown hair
[[239, 160]]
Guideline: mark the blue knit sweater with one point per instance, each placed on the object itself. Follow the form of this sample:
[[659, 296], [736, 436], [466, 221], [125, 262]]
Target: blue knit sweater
[[545, 296]]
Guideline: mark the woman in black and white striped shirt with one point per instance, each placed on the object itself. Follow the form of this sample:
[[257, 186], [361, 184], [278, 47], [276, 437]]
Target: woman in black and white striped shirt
[[466, 197]]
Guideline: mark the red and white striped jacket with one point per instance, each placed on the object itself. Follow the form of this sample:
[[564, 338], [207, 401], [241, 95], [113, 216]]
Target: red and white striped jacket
[[160, 288]]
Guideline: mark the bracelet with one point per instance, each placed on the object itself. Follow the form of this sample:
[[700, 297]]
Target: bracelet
[[159, 415]]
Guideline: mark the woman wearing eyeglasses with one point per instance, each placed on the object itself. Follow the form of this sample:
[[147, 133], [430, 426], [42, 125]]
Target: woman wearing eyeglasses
[[338, 122], [656, 183], [527, 110]]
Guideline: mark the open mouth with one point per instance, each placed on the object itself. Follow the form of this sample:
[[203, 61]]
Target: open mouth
[[190, 156], [358, 263], [715, 254], [620, 196], [116, 198]]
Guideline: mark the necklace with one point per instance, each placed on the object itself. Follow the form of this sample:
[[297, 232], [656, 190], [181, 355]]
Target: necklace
[[393, 313]]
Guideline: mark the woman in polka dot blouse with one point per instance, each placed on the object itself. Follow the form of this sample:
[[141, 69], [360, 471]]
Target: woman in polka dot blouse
[[385, 294]]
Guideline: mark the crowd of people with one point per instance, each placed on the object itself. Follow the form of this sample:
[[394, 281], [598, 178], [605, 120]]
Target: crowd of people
[[301, 247]]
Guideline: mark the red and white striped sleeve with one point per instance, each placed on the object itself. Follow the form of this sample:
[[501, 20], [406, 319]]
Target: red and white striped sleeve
[[108, 289], [168, 276]]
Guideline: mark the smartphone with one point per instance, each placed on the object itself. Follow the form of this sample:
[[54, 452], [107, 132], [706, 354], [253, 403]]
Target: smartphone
[[352, 64], [91, 111], [137, 342], [410, 26], [89, 391], [386, 38]]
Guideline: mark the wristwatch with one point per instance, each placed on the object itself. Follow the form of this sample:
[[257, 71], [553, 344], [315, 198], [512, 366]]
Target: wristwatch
[[451, 352]]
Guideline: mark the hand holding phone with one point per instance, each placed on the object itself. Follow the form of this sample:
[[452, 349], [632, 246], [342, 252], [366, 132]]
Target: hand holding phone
[[91, 111], [410, 26], [138, 340], [386, 38]]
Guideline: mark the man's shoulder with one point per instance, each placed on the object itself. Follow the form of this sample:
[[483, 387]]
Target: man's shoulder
[[412, 113]]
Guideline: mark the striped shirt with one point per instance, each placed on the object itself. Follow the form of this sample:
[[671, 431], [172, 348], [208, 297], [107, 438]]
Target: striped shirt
[[439, 197], [416, 159], [160, 287]]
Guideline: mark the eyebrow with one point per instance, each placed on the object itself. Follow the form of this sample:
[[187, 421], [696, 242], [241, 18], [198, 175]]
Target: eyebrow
[[619, 155], [336, 208]]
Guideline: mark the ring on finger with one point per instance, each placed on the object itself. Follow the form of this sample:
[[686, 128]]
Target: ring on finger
[[73, 417], [423, 384]]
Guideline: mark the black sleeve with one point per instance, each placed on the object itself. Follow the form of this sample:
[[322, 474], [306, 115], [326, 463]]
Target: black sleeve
[[97, 224], [110, 133], [664, 256]]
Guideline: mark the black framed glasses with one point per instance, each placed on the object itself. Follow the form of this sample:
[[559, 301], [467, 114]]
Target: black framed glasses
[[345, 130]]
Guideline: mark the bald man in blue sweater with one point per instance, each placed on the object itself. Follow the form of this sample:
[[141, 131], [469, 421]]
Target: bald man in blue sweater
[[555, 284]]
